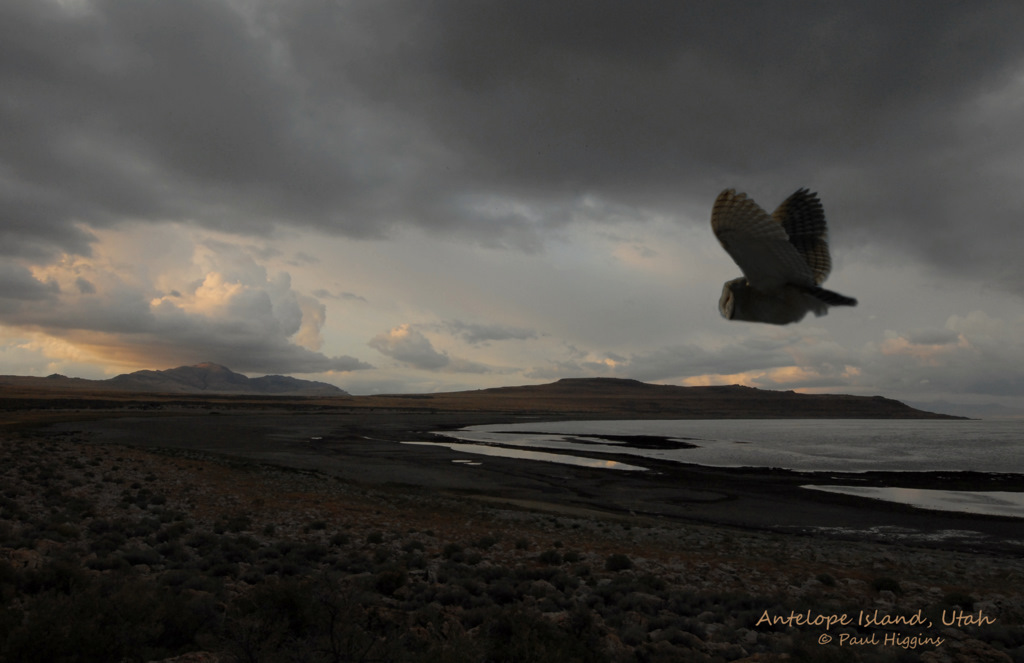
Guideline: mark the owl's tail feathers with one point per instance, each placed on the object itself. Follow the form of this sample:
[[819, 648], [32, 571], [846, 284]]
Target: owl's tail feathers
[[829, 297]]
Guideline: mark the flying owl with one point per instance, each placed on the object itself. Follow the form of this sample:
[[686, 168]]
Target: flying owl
[[784, 258]]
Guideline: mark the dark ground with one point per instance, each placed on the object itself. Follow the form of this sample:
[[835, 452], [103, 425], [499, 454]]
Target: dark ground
[[365, 447]]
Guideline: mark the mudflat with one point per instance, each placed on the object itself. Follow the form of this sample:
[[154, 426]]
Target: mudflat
[[370, 446]]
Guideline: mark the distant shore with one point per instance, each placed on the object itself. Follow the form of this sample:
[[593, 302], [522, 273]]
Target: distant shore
[[583, 397]]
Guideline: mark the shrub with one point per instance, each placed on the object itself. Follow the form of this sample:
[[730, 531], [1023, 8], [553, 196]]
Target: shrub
[[236, 551], [515, 634], [962, 599], [413, 546], [452, 551], [223, 569], [826, 579], [390, 581], [550, 557], [106, 543], [109, 563], [144, 527], [486, 542], [308, 552], [502, 592], [172, 532], [136, 556], [885, 583], [618, 562], [61, 575], [238, 523], [203, 542]]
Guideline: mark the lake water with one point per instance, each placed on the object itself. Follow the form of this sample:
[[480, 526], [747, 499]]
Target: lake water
[[810, 445]]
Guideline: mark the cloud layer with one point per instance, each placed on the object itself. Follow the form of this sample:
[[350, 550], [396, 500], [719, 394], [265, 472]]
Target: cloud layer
[[224, 307], [507, 189], [498, 120]]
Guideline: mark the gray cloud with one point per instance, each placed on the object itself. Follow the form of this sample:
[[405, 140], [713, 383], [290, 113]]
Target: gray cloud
[[496, 120], [479, 334], [974, 354], [18, 284], [409, 346], [84, 286], [676, 362], [345, 296], [931, 337]]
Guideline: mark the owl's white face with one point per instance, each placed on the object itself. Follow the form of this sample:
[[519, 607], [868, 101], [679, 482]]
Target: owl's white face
[[727, 302]]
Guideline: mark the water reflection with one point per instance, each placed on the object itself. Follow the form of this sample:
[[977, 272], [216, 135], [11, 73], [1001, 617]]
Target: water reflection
[[988, 502], [505, 452]]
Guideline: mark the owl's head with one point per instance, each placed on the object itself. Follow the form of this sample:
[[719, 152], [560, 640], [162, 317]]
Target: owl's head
[[730, 292]]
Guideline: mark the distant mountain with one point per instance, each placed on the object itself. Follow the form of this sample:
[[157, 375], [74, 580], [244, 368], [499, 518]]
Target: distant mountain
[[595, 398], [209, 378], [205, 378]]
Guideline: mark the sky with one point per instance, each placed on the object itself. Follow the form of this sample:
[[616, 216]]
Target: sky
[[436, 195]]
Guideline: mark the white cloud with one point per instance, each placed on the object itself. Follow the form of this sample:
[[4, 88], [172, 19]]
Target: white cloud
[[225, 307]]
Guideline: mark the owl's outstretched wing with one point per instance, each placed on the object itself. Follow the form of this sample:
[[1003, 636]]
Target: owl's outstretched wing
[[759, 243], [803, 218]]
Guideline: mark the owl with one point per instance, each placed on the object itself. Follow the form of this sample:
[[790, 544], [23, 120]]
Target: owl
[[784, 258]]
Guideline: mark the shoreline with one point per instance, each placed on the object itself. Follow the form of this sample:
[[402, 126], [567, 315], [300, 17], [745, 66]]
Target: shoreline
[[367, 448]]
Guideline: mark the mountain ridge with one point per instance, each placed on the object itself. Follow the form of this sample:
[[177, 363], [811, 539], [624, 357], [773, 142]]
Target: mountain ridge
[[632, 398], [582, 397], [204, 378]]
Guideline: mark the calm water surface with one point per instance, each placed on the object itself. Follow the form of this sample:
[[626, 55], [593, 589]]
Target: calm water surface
[[809, 445], [813, 445]]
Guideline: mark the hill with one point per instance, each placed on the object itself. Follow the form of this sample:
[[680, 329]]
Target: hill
[[635, 399], [205, 378], [598, 398]]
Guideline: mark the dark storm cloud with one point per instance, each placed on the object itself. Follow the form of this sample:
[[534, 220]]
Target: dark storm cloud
[[144, 111], [494, 120], [17, 285]]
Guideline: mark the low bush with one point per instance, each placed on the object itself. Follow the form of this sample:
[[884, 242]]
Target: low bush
[[550, 557], [618, 562]]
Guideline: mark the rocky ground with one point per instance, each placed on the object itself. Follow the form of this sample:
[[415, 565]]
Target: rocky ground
[[109, 552]]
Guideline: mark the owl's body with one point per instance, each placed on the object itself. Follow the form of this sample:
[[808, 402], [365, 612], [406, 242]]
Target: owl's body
[[784, 258]]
